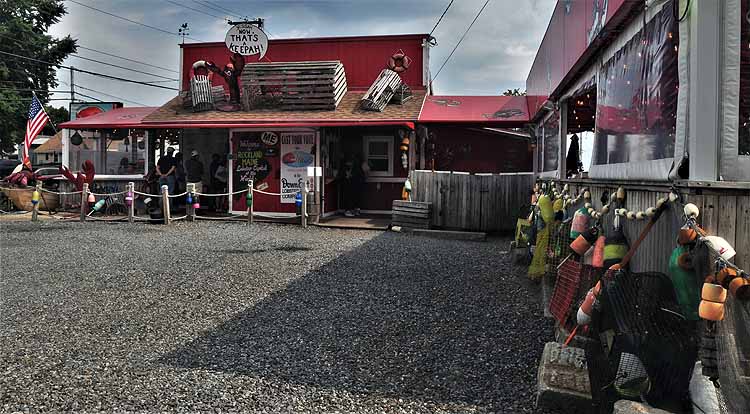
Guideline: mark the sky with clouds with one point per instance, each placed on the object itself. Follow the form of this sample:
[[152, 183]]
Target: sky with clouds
[[496, 54]]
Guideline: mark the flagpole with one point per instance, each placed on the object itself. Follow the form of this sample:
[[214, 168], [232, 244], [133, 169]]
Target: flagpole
[[54, 128]]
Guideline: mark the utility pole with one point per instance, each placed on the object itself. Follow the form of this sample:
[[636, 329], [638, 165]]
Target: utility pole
[[72, 86]]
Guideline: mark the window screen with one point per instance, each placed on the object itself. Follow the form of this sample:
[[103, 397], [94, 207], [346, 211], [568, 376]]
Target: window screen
[[637, 96]]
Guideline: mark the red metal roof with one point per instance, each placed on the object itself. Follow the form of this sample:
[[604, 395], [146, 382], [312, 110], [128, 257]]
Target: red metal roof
[[495, 110], [116, 118]]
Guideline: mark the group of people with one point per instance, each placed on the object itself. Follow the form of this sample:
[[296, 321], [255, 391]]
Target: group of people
[[175, 173]]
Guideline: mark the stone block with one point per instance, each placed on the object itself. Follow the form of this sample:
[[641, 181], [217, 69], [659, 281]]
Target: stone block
[[563, 381], [632, 407]]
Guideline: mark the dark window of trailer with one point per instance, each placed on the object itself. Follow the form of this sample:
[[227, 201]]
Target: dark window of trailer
[[744, 127], [637, 96]]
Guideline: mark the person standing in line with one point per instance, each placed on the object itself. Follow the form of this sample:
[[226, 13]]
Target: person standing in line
[[165, 168], [179, 177], [194, 171]]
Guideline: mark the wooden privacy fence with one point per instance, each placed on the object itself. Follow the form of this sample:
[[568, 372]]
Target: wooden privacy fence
[[477, 202]]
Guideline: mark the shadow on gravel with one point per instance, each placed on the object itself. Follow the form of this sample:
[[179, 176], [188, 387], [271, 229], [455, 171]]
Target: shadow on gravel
[[369, 323]]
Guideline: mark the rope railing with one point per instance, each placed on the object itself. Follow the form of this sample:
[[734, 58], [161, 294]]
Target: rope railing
[[109, 202]]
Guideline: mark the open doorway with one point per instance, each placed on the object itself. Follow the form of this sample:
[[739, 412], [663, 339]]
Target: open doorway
[[580, 132]]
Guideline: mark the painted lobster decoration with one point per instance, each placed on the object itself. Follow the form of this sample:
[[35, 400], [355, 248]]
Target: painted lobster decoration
[[86, 175]]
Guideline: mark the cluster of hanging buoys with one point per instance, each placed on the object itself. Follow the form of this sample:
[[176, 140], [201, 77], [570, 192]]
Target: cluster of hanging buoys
[[193, 199], [609, 251]]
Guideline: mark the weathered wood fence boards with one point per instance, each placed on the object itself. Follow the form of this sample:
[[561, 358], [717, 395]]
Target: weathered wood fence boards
[[477, 202]]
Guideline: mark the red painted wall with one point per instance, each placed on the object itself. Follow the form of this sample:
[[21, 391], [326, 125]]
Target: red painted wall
[[477, 151], [567, 39], [363, 56]]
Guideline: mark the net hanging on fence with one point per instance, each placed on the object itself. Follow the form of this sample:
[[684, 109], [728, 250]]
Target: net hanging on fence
[[573, 281], [644, 348]]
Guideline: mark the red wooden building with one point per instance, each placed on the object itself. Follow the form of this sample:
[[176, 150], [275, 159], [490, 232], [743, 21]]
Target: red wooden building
[[453, 137]]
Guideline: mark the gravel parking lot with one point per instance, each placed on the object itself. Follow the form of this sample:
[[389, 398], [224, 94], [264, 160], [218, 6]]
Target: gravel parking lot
[[272, 318]]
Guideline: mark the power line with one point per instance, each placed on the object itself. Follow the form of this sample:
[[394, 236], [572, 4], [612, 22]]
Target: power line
[[128, 59], [225, 9], [122, 67], [441, 17], [132, 21], [213, 7], [210, 7], [459, 41], [90, 97], [111, 96], [88, 72], [195, 10]]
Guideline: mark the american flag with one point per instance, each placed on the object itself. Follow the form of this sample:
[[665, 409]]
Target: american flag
[[36, 121]]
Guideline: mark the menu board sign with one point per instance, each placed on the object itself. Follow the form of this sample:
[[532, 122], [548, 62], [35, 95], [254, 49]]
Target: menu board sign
[[297, 153], [253, 158]]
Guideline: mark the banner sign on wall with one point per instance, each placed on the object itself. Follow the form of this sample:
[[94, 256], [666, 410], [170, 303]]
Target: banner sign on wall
[[296, 155]]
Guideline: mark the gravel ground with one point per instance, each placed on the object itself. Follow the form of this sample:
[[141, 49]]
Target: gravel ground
[[274, 318]]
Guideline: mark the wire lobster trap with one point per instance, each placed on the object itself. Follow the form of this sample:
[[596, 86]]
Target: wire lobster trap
[[574, 280], [643, 348]]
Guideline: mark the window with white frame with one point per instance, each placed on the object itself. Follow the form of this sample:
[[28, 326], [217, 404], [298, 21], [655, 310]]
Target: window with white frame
[[378, 152]]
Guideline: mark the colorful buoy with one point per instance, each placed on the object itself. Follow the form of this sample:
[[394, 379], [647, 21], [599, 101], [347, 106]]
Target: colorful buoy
[[35, 197]]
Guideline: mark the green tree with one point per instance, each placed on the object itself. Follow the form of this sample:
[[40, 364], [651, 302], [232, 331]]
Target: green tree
[[23, 31], [56, 116], [514, 92]]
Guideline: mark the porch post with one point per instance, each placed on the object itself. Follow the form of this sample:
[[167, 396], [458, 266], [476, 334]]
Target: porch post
[[165, 204], [705, 53]]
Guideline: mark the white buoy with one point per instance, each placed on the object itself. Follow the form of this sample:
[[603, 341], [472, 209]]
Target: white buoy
[[640, 215], [605, 209], [650, 212], [630, 215], [587, 194], [587, 205], [621, 193], [691, 210], [673, 197], [660, 202]]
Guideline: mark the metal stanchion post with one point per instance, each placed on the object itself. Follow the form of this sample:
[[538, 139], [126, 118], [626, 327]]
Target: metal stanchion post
[[249, 201], [130, 201], [165, 204], [190, 188], [304, 207], [84, 201]]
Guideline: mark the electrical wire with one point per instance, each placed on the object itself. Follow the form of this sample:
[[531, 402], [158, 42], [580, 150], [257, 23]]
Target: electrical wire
[[111, 96], [122, 67], [132, 21], [220, 7], [459, 41], [195, 10], [90, 97], [441, 18], [128, 59], [209, 6], [88, 72]]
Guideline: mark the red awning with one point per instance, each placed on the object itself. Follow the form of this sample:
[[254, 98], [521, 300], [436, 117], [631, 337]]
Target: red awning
[[495, 110], [116, 118]]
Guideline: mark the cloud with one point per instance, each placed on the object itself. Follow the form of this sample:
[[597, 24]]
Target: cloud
[[495, 55]]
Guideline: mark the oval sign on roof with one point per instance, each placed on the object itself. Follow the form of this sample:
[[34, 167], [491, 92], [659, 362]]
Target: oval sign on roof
[[247, 39]]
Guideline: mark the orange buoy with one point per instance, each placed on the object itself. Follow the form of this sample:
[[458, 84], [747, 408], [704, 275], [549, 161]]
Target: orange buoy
[[726, 275], [711, 311], [740, 288], [713, 293]]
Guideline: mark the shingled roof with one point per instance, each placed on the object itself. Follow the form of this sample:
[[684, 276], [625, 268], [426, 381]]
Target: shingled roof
[[172, 114]]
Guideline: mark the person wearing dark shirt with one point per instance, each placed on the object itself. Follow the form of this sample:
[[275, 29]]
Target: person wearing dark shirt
[[194, 170], [166, 168]]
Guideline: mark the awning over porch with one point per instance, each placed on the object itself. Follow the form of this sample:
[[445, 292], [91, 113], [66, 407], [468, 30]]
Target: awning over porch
[[348, 113], [114, 119], [482, 110]]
